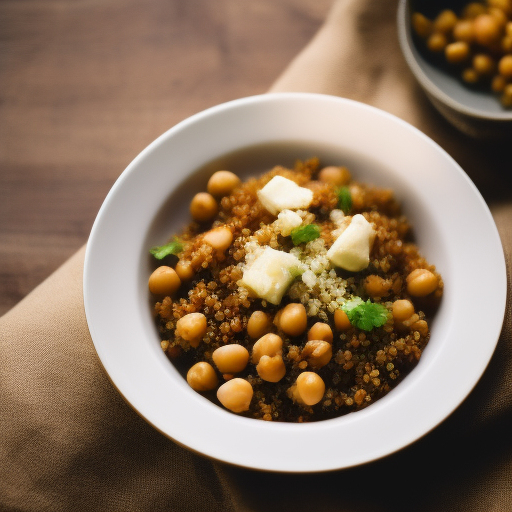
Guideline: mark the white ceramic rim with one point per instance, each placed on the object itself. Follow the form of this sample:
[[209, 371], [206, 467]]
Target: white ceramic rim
[[465, 241], [404, 37]]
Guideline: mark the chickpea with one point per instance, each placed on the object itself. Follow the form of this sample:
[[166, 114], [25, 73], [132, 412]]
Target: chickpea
[[268, 345], [320, 331], [222, 183], [421, 326], [219, 238], [202, 377], [421, 25], [486, 29], [456, 52], [184, 270], [506, 43], [470, 76], [473, 9], [231, 358], [421, 282], [402, 309], [271, 368], [277, 318], [309, 388], [437, 42], [337, 176], [499, 16], [508, 28], [259, 324], [506, 98], [235, 395], [409, 321], [357, 194], [445, 21], [164, 281], [341, 321], [317, 353], [498, 83], [376, 286], [192, 328], [293, 319], [203, 207], [505, 66], [463, 31], [483, 64], [504, 5]]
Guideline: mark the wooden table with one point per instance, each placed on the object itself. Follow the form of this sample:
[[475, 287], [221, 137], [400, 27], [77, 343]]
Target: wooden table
[[85, 86]]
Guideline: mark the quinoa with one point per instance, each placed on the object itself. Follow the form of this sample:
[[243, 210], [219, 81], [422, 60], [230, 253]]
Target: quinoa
[[365, 364]]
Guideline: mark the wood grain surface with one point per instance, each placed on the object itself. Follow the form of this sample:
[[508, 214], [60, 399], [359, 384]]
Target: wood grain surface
[[86, 85]]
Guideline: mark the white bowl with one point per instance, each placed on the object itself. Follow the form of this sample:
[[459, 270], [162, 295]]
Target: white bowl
[[149, 202]]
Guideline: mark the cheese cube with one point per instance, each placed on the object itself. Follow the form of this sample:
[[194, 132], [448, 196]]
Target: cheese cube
[[281, 193], [270, 274], [351, 250]]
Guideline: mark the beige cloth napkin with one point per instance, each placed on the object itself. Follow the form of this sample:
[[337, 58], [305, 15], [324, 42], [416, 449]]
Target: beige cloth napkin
[[69, 442]]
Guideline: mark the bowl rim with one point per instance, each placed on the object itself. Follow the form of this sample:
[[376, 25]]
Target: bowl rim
[[122, 368], [405, 41]]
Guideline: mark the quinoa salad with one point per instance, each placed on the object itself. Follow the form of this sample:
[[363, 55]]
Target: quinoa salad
[[295, 296]]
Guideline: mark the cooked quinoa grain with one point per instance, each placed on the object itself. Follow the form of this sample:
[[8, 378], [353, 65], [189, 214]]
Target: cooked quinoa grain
[[269, 321]]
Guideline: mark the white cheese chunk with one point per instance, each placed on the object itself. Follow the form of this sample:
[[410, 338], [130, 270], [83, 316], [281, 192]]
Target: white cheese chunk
[[270, 274], [287, 221], [281, 193], [351, 250]]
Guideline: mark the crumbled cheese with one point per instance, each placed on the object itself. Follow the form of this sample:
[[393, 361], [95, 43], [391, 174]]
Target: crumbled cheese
[[281, 193], [351, 250], [321, 290], [309, 278], [337, 217], [270, 274], [252, 250], [287, 220]]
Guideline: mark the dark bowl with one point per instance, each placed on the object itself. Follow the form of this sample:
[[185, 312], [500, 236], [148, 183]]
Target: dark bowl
[[475, 112]]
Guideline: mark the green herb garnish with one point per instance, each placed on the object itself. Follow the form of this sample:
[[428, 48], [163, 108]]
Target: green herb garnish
[[344, 199], [174, 247], [365, 315], [304, 234]]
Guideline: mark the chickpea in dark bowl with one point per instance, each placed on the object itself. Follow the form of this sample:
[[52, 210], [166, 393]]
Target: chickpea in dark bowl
[[460, 54]]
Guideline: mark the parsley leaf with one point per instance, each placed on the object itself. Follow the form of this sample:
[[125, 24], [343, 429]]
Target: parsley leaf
[[365, 315], [344, 199], [304, 234], [174, 247]]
